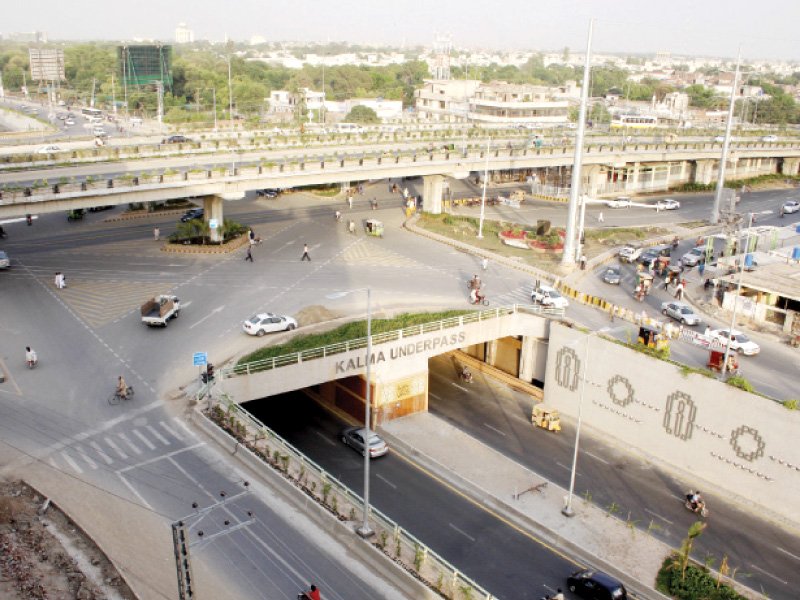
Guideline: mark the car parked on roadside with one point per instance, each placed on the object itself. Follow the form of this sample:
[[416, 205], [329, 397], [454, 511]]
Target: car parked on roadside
[[612, 275], [354, 437], [264, 323], [621, 202], [681, 312], [791, 206], [739, 342], [596, 585], [668, 204], [193, 213]]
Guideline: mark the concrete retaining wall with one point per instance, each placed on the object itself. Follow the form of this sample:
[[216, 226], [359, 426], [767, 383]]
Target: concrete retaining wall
[[736, 441]]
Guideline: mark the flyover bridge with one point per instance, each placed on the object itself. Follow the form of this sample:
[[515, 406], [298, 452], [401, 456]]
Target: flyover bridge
[[640, 166]]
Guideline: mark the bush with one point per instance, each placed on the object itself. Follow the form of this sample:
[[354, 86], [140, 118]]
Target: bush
[[696, 584], [740, 382]]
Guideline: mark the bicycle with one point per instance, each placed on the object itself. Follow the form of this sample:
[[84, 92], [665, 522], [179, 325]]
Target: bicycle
[[116, 397]]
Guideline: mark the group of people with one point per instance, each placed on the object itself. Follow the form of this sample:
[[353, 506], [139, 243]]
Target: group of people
[[60, 280]]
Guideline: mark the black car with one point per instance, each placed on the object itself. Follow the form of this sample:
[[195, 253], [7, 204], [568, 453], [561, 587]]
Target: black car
[[267, 193], [596, 585], [101, 208], [612, 275], [192, 213], [176, 139]]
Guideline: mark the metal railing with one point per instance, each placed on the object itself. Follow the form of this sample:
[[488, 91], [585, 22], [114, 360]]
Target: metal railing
[[301, 356], [392, 539]]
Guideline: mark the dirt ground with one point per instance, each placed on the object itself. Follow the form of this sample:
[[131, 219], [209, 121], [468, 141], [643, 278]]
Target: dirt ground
[[44, 555]]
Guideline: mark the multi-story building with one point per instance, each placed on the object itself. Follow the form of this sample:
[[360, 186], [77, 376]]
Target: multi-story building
[[183, 35]]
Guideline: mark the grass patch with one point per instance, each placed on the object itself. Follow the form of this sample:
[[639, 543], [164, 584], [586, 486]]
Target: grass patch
[[697, 583], [693, 224], [348, 331]]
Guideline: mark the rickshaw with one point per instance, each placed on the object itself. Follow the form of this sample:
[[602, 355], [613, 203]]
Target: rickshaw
[[716, 358], [651, 337], [662, 264], [374, 227], [75, 214], [644, 285], [545, 417]]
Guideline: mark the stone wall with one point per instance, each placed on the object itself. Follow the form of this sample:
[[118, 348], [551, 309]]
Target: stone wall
[[733, 440]]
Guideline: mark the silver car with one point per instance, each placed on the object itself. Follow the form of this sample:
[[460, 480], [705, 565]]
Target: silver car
[[681, 312], [354, 437], [5, 262]]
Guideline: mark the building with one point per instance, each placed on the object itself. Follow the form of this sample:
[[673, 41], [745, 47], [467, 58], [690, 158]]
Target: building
[[497, 103], [183, 35], [33, 37]]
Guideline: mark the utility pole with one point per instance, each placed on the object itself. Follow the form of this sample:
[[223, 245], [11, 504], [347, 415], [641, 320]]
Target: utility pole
[[113, 96], [569, 257], [91, 101], [726, 144]]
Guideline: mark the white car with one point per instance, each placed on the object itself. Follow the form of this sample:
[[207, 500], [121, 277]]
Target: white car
[[668, 204], [739, 342], [769, 138], [621, 202], [48, 150], [267, 323], [693, 256], [69, 122], [549, 297], [629, 253], [791, 206]]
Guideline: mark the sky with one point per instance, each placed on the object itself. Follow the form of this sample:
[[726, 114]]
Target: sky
[[714, 28]]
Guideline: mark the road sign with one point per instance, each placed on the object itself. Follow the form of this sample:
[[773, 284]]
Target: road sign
[[213, 223], [199, 359]]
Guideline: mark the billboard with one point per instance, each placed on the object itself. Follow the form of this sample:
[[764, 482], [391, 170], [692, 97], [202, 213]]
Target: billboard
[[47, 64], [145, 65]]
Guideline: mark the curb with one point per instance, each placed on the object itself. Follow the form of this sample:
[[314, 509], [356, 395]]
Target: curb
[[225, 248]]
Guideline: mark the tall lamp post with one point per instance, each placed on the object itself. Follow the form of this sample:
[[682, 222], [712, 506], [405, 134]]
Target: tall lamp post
[[485, 180], [364, 530]]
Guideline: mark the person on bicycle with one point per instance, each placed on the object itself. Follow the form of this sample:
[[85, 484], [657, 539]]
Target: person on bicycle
[[311, 594], [475, 282], [122, 388], [30, 356]]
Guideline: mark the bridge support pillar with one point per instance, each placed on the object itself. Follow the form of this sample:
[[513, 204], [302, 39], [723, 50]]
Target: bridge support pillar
[[432, 193], [529, 358], [633, 179], [591, 175], [212, 207], [791, 166], [704, 172]]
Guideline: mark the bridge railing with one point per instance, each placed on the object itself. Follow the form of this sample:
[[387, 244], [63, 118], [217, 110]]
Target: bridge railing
[[266, 364], [263, 444]]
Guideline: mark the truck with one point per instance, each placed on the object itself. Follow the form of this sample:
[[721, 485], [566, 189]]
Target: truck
[[157, 311]]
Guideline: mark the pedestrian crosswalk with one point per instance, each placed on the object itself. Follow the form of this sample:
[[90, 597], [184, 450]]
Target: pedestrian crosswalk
[[519, 295], [121, 449], [372, 253]]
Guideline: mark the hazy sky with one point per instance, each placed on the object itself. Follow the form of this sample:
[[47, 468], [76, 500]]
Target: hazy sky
[[693, 27]]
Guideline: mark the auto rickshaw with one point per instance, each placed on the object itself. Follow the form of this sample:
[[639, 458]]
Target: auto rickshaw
[[643, 286], [374, 227], [545, 417], [716, 358], [651, 337], [75, 214]]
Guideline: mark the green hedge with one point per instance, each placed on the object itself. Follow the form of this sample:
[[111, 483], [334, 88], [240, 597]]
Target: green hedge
[[697, 584], [348, 331], [735, 183]]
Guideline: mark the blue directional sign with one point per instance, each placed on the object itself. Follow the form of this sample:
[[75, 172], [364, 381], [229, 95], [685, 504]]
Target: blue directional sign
[[200, 359]]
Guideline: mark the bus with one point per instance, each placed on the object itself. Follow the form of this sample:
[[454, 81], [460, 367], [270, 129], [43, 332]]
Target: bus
[[634, 122], [92, 112]]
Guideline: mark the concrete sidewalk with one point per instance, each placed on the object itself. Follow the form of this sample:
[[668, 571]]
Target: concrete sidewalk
[[592, 536]]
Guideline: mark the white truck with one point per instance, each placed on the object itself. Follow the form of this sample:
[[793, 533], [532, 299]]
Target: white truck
[[157, 311]]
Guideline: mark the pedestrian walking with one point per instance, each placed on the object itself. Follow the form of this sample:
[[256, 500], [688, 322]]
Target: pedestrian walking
[[156, 233], [61, 281], [485, 264], [305, 254], [701, 267], [583, 262], [679, 291], [600, 217], [350, 201], [249, 255]]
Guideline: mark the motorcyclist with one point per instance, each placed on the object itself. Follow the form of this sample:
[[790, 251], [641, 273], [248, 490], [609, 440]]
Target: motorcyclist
[[696, 501], [475, 296], [475, 282], [30, 357], [311, 594], [338, 215], [466, 374]]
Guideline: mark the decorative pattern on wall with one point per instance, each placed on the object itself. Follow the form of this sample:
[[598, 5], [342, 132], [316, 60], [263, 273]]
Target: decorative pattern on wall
[[568, 368], [679, 414]]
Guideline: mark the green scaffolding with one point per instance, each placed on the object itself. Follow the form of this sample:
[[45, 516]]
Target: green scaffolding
[[145, 65]]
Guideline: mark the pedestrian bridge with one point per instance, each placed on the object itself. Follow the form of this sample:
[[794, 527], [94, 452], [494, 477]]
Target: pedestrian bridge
[[512, 340]]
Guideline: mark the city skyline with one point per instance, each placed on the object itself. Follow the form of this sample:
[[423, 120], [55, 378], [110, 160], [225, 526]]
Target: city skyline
[[713, 28]]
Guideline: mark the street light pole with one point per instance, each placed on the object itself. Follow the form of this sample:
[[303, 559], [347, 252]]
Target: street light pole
[[567, 511], [725, 145], [365, 530], [485, 180], [214, 95]]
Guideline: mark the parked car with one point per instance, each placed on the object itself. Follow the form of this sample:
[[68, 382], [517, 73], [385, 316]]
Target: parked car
[[739, 342], [668, 204], [548, 296], [791, 206], [769, 138], [629, 253], [5, 262], [267, 193], [681, 312], [48, 149], [596, 585], [612, 275], [693, 256], [263, 323], [621, 202], [176, 139], [354, 437], [193, 213]]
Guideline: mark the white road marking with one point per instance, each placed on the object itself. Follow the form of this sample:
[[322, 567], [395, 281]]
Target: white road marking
[[86, 459], [594, 456], [168, 455], [658, 516], [495, 429], [325, 437], [565, 467], [460, 387], [134, 492], [386, 481], [183, 426], [432, 395], [787, 553], [465, 534], [144, 440], [157, 435], [208, 316], [108, 460], [111, 443], [70, 462], [768, 574], [171, 431], [130, 445]]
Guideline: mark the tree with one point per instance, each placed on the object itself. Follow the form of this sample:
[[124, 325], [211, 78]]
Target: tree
[[685, 551], [362, 114]]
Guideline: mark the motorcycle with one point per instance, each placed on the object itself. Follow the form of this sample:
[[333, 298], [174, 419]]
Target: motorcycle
[[465, 375], [699, 509]]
